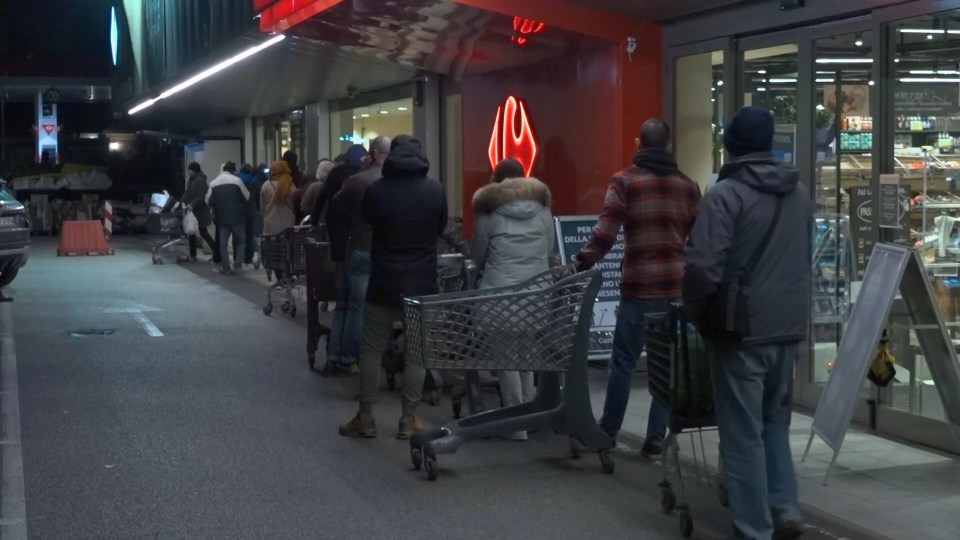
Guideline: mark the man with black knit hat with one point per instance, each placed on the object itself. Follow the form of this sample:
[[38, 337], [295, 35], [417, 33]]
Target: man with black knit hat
[[751, 249]]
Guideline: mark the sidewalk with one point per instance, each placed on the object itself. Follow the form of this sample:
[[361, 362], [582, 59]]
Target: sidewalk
[[897, 490]]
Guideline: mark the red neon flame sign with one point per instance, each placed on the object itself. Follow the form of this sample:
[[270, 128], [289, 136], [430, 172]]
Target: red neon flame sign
[[525, 27], [507, 142]]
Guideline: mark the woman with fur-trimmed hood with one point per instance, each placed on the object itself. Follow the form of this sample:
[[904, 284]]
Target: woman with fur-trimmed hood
[[513, 237]]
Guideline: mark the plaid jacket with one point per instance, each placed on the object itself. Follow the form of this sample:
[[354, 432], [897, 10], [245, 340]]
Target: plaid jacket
[[657, 214]]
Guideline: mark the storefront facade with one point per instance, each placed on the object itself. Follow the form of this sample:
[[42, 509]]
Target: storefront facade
[[859, 90]]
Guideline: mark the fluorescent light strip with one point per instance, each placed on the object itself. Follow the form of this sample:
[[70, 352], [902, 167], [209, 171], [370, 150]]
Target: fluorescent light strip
[[209, 72], [844, 60], [928, 80], [932, 72], [782, 81], [927, 31], [826, 80]]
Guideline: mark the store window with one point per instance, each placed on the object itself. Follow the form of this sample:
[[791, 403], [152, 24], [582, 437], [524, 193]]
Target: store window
[[360, 125], [770, 81], [699, 100], [845, 231], [926, 115]]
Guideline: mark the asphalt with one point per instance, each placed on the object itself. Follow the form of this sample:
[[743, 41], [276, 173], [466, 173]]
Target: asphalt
[[217, 429]]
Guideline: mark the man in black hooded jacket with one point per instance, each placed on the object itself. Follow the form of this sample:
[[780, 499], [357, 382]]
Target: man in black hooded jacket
[[758, 219], [408, 212]]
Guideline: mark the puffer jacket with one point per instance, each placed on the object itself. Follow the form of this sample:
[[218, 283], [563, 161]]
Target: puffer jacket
[[734, 217], [514, 233]]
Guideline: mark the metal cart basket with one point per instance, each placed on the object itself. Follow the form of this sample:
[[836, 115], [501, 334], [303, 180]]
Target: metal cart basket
[[679, 369], [169, 224], [285, 255], [541, 325]]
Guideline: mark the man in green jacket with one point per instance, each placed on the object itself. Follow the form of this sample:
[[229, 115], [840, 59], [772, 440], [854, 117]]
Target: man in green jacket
[[195, 200]]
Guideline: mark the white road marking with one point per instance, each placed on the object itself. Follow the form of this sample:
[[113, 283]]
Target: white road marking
[[148, 327], [13, 511]]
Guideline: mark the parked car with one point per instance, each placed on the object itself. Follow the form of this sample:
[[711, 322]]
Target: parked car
[[14, 236]]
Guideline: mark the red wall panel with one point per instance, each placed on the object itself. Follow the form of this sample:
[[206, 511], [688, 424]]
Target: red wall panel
[[586, 108]]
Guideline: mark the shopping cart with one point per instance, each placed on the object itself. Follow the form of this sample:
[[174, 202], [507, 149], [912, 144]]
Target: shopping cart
[[541, 325], [169, 224], [679, 376], [285, 256], [321, 289]]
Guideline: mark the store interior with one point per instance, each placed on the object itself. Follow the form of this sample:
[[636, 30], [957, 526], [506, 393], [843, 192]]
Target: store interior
[[362, 124]]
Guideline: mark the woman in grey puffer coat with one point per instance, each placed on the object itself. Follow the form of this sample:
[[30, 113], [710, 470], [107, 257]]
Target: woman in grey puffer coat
[[514, 236]]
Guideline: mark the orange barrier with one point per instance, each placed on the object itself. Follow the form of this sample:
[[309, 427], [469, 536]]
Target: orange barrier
[[82, 238]]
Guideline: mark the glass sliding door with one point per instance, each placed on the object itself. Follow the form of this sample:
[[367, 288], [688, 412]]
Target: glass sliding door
[[699, 99]]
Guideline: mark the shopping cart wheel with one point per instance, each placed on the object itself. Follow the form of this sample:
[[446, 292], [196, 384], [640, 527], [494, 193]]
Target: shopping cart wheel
[[268, 309], [156, 260], [686, 523], [457, 408], [723, 495], [416, 457], [575, 446], [668, 501], [607, 462], [285, 307], [392, 382], [293, 311], [430, 465]]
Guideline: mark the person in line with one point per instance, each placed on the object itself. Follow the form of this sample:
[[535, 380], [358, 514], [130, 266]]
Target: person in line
[[352, 164], [228, 198], [407, 211], [195, 199], [656, 205], [292, 160], [343, 216], [252, 225], [276, 199], [753, 378], [313, 190], [514, 235]]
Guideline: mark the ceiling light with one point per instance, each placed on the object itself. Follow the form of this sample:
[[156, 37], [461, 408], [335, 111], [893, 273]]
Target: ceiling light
[[761, 89], [927, 31], [871, 83], [781, 81], [209, 72], [859, 41], [713, 100], [383, 112], [896, 60], [762, 72], [714, 89], [928, 80], [825, 80], [820, 107], [365, 115], [354, 117], [403, 109], [929, 36], [719, 83], [114, 146], [844, 60]]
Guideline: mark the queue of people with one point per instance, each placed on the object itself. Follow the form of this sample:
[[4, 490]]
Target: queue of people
[[385, 216]]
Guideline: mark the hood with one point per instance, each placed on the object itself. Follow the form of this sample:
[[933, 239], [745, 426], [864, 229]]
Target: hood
[[762, 172], [659, 162], [248, 179], [355, 154], [404, 161], [515, 197]]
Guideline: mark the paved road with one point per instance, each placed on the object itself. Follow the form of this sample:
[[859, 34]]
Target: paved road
[[216, 429]]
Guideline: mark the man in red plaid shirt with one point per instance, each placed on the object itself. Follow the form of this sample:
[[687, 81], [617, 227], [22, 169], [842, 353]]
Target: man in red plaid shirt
[[656, 205]]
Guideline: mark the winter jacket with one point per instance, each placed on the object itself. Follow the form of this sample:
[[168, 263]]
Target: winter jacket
[[346, 207], [309, 199], [514, 232], [196, 198], [408, 213], [278, 215], [253, 186], [338, 234], [228, 198], [656, 206], [734, 216]]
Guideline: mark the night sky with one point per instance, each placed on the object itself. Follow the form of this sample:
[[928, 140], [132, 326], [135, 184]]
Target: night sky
[[55, 37]]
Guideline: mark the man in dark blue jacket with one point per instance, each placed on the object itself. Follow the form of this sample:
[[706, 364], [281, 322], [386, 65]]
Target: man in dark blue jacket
[[757, 199], [408, 212]]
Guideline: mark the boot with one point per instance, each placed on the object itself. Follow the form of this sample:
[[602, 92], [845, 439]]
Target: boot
[[409, 425], [362, 425]]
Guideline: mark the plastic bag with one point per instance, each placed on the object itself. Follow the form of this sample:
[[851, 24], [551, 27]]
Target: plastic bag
[[191, 226]]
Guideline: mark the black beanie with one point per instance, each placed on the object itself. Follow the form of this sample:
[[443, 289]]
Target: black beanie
[[750, 131]]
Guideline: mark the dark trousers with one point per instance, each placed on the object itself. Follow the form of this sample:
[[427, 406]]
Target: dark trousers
[[240, 234], [205, 234]]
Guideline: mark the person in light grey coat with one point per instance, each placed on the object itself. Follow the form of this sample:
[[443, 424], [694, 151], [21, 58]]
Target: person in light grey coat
[[514, 236]]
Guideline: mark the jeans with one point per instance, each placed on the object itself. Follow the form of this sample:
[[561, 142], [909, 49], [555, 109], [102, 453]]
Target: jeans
[[377, 329], [253, 227], [629, 338], [240, 235], [346, 340], [753, 392], [205, 234]]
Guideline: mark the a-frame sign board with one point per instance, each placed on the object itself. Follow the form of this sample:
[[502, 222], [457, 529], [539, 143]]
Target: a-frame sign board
[[892, 269]]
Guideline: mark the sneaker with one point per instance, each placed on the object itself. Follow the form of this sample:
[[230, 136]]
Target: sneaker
[[651, 449], [788, 530], [408, 426], [362, 426], [350, 370]]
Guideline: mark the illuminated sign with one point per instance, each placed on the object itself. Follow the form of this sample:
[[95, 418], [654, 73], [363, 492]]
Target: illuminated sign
[[513, 136], [114, 34], [523, 28]]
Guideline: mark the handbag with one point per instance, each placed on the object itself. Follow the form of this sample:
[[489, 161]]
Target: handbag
[[191, 226], [726, 314]]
